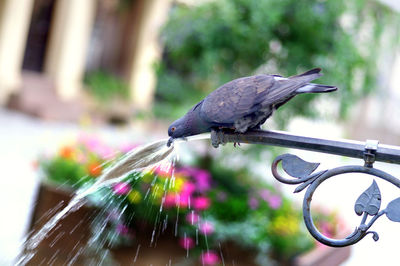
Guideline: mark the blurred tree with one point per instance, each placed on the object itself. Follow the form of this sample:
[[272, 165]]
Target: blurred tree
[[212, 43]]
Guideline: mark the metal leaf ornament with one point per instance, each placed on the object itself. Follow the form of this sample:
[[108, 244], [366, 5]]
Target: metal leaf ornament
[[369, 201], [393, 210], [296, 167]]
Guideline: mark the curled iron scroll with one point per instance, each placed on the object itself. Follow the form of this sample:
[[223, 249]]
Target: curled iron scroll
[[368, 203]]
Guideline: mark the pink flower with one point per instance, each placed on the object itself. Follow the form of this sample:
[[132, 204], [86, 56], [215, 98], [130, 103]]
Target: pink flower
[[188, 188], [163, 170], [127, 147], [192, 218], [122, 229], [186, 242], [121, 188], [274, 201], [170, 201], [201, 203], [206, 228], [183, 200], [203, 179], [265, 194], [209, 258], [253, 203], [326, 229], [94, 144]]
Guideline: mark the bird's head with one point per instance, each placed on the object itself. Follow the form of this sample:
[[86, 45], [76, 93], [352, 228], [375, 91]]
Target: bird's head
[[178, 129]]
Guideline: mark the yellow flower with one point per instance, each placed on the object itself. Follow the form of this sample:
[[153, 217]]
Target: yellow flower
[[157, 191], [134, 196], [147, 177], [285, 225], [178, 184]]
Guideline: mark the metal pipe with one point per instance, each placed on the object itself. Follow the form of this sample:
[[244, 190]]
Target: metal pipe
[[349, 148]]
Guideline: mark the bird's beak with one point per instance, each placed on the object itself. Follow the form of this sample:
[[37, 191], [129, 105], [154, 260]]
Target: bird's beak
[[171, 139]]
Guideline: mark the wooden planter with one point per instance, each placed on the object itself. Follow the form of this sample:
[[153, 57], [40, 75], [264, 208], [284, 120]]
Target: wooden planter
[[71, 235]]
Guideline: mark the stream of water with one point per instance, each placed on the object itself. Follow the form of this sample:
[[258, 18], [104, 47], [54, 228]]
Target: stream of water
[[142, 157]]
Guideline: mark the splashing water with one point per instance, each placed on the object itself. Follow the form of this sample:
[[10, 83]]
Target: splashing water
[[137, 159]]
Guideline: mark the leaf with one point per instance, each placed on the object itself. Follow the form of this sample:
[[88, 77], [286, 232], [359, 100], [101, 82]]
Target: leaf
[[369, 201], [296, 167], [393, 210]]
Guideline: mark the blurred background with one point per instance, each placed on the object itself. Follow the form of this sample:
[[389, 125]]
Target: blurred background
[[122, 70]]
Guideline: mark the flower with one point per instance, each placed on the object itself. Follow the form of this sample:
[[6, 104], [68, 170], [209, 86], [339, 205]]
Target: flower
[[253, 203], [93, 144], [209, 258], [188, 188], [157, 191], [94, 169], [183, 200], [163, 170], [202, 178], [134, 196], [67, 152], [201, 203], [206, 228], [127, 147], [121, 188], [122, 229], [274, 201], [186, 242], [192, 218], [178, 183], [285, 225], [169, 200], [264, 194]]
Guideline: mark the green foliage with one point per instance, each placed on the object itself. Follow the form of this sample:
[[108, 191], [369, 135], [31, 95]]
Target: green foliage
[[105, 86], [65, 171], [215, 42]]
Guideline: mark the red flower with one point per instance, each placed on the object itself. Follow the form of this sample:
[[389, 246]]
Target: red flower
[[170, 201], [66, 152], [94, 169]]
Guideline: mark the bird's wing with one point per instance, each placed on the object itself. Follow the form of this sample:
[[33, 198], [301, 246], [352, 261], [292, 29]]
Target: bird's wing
[[236, 99], [244, 96]]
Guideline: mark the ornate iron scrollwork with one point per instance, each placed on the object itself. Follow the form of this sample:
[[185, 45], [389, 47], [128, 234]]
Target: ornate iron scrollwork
[[367, 204], [302, 173]]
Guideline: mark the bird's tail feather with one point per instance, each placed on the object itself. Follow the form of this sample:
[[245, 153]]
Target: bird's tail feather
[[307, 76], [315, 88]]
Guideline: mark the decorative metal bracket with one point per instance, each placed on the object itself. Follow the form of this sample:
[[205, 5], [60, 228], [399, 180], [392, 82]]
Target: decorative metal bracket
[[302, 173]]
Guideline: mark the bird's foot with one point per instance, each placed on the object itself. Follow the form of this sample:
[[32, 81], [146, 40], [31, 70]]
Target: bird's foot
[[217, 137], [235, 144]]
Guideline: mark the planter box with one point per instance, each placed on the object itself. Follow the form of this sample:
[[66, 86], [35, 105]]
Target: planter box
[[70, 236]]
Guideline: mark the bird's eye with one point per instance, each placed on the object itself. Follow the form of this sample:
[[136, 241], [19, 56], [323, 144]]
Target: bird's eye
[[173, 129]]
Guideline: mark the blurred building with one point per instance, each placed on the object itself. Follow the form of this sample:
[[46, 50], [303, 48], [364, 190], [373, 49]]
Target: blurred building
[[47, 46]]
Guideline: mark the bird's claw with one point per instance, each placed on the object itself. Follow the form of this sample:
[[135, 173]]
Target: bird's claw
[[216, 138]]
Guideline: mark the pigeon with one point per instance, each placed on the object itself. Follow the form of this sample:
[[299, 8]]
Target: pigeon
[[244, 103]]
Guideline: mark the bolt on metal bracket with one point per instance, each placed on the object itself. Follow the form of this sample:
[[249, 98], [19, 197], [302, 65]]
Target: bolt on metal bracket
[[371, 146]]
